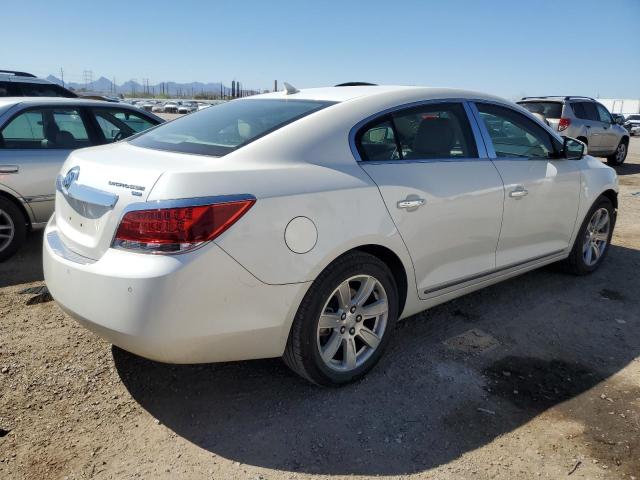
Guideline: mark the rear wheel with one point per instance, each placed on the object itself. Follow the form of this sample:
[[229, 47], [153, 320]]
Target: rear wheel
[[13, 228], [593, 239], [620, 155], [344, 322]]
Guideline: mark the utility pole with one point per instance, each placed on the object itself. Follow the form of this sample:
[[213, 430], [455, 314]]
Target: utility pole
[[62, 76], [87, 76]]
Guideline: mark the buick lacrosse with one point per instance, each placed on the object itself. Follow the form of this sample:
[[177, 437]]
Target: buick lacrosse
[[304, 224]]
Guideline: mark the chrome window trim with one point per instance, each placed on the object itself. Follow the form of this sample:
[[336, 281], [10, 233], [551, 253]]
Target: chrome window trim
[[480, 147], [175, 203], [522, 111]]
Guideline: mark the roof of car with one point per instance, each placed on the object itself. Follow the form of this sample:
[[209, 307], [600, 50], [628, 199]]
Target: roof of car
[[341, 94]]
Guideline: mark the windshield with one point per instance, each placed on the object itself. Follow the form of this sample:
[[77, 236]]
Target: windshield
[[547, 109], [223, 128], [633, 117]]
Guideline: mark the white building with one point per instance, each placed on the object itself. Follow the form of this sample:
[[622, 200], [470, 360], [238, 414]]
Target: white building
[[625, 106]]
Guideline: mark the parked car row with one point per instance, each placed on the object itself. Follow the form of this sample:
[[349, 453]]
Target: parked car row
[[171, 106], [304, 223]]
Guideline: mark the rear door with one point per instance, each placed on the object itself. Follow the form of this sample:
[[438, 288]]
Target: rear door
[[444, 195], [38, 141], [541, 191]]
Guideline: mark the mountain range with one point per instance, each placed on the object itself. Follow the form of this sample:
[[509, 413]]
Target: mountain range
[[104, 85]]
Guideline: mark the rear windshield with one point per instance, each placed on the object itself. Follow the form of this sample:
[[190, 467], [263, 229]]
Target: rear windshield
[[547, 109], [633, 117], [223, 128]]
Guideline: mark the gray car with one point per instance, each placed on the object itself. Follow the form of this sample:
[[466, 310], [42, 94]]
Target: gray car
[[585, 119], [36, 136]]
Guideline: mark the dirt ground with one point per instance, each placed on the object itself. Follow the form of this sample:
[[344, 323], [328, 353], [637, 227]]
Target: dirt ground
[[536, 377]]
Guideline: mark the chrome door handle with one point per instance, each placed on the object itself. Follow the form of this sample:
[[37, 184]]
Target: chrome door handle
[[518, 192], [411, 203], [9, 169]]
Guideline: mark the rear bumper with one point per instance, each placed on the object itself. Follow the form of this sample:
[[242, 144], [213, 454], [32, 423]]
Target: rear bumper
[[190, 308]]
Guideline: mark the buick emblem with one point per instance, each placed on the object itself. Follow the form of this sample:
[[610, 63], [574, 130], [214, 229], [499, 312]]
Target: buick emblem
[[71, 176]]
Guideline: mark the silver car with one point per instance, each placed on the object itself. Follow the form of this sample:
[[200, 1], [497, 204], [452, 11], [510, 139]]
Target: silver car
[[585, 119], [36, 136]]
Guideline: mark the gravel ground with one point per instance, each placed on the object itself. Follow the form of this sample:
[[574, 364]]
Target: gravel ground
[[536, 377]]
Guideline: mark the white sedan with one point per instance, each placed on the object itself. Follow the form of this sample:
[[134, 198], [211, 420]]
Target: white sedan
[[304, 224]]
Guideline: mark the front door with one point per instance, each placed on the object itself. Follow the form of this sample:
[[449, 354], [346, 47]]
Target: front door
[[445, 200], [541, 190]]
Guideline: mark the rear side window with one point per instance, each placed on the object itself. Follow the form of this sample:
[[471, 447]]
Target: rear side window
[[9, 89], [43, 90], [547, 109], [119, 124], [46, 128], [220, 129], [434, 131], [514, 135], [585, 110]]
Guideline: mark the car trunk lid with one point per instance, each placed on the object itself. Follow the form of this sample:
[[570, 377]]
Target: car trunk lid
[[96, 186]]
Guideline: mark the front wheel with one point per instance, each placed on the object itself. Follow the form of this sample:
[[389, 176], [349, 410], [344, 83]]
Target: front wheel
[[593, 239], [344, 322], [620, 155]]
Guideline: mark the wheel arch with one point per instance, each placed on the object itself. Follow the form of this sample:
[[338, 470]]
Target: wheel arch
[[391, 260], [20, 205], [611, 195]]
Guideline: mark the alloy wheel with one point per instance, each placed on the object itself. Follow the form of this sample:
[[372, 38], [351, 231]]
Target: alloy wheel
[[596, 236], [621, 152], [352, 323], [7, 230]]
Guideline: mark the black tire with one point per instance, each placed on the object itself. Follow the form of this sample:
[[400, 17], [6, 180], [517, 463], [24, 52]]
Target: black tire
[[302, 353], [19, 224], [615, 159], [575, 263]]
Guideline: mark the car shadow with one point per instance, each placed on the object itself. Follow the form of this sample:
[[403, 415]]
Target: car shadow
[[628, 169], [425, 404], [26, 265]]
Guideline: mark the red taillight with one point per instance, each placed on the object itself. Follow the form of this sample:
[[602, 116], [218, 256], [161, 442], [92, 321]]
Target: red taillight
[[564, 124], [171, 230]]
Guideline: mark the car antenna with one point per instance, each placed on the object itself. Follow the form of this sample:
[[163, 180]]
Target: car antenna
[[290, 89]]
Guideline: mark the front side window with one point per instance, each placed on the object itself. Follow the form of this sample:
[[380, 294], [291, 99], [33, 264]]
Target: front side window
[[223, 128], [119, 124], [46, 128], [514, 135], [433, 131], [603, 114]]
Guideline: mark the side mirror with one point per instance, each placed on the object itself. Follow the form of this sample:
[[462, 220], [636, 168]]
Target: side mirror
[[619, 120], [573, 149]]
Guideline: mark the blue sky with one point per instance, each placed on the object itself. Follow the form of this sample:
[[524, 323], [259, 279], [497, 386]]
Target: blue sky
[[505, 47]]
